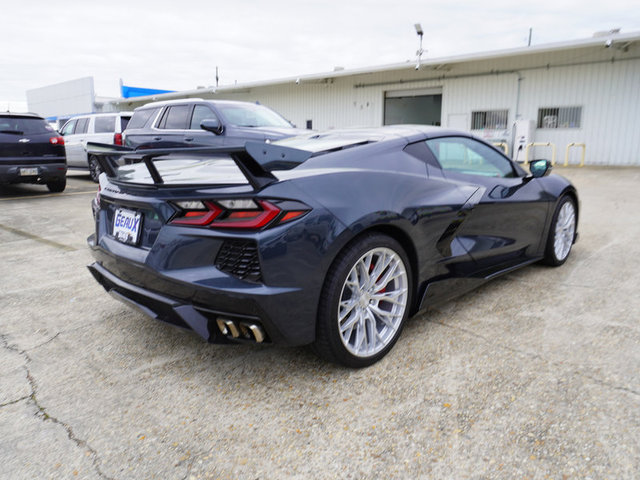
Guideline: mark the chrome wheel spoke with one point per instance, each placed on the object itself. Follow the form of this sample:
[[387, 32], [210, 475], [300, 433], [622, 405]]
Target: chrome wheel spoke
[[391, 297], [347, 329], [385, 317]]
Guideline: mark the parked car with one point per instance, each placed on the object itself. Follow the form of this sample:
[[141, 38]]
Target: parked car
[[96, 127], [196, 122], [31, 151], [329, 239]]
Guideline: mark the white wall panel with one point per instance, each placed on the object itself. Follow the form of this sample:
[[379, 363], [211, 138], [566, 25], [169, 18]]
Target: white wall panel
[[608, 92]]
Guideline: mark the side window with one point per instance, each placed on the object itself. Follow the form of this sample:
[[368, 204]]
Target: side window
[[68, 127], [142, 118], [200, 112], [470, 157], [105, 124], [81, 126], [175, 118]]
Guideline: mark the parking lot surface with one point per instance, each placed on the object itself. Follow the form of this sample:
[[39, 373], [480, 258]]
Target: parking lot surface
[[534, 375]]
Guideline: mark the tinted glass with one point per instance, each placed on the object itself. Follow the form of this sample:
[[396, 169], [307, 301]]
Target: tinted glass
[[200, 112], [468, 156], [24, 125], [82, 125], [175, 118], [250, 115], [105, 124], [68, 127], [124, 121], [185, 170], [142, 118]]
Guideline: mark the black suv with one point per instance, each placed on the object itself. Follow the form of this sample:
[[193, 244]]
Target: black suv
[[196, 122], [31, 151]]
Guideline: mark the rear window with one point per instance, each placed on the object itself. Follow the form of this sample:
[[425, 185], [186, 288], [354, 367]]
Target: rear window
[[24, 125], [124, 121], [184, 170], [322, 143], [105, 124], [142, 118]]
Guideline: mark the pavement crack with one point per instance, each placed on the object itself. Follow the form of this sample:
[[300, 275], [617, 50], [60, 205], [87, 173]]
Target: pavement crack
[[42, 411], [13, 402], [45, 342], [546, 360]]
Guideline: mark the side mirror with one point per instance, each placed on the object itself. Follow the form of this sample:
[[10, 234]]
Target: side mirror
[[212, 125], [540, 168]]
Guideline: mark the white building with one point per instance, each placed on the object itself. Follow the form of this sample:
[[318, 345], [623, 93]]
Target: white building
[[585, 91], [63, 100]]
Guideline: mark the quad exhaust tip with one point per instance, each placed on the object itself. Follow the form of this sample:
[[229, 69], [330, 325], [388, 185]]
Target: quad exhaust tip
[[245, 330]]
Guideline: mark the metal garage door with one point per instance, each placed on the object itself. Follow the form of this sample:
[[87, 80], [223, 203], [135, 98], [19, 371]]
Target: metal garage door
[[422, 106]]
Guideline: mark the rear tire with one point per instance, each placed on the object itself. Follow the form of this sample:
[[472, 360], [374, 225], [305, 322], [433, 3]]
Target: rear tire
[[58, 185], [562, 233], [94, 168], [365, 301]]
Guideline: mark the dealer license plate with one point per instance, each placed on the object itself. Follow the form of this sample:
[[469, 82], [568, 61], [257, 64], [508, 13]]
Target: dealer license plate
[[127, 226], [27, 172]]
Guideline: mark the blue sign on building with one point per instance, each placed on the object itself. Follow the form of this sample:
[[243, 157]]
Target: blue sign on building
[[128, 91]]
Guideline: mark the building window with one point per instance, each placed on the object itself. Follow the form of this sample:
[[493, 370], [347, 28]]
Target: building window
[[559, 117], [491, 119]]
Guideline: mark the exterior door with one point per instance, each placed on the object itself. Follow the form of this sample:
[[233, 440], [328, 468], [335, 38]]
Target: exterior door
[[505, 220], [74, 133]]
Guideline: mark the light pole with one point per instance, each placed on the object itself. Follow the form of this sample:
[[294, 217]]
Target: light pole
[[420, 51]]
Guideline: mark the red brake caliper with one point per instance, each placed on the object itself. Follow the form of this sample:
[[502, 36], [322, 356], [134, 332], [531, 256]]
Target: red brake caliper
[[371, 267]]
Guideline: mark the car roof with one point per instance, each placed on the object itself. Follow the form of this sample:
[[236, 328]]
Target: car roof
[[193, 100], [23, 115], [103, 114]]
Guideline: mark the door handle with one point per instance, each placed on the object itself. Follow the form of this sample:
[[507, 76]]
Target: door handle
[[157, 138], [188, 139]]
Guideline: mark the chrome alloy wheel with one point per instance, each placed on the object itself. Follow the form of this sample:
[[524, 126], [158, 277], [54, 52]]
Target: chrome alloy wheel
[[373, 302], [565, 230]]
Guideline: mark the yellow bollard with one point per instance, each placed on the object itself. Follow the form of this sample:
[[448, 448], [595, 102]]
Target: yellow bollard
[[539, 144], [566, 156]]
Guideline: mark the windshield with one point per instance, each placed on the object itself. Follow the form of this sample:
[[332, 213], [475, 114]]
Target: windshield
[[187, 170], [24, 125], [250, 115]]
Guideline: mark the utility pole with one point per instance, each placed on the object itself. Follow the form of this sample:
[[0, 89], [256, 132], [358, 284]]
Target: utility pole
[[420, 51]]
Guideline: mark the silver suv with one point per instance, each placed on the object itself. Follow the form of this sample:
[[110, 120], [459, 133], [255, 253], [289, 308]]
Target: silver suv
[[96, 127]]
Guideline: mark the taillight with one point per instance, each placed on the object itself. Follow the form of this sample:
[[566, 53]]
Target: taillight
[[56, 141], [117, 139], [244, 213]]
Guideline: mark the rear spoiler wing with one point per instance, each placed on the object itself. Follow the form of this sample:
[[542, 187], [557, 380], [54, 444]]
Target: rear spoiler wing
[[256, 160]]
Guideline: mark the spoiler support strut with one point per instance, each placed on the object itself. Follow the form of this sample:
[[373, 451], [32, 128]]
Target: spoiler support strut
[[256, 160]]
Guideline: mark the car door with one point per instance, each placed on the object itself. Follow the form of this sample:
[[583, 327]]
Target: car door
[[172, 126], [198, 137], [504, 222], [74, 132]]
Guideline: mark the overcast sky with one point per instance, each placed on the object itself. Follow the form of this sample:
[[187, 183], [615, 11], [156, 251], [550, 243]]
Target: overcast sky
[[176, 45]]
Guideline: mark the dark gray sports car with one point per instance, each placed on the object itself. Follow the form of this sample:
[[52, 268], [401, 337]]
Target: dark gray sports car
[[331, 239]]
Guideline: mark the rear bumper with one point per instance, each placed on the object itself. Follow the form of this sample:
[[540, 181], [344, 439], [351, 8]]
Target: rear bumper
[[254, 313], [209, 324], [17, 172]]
